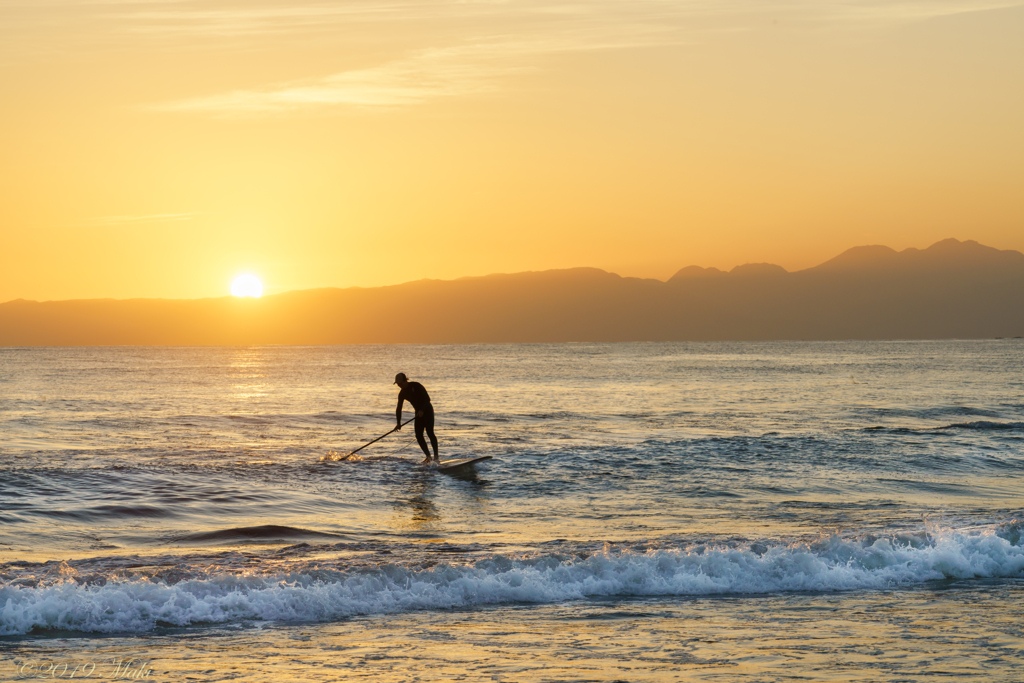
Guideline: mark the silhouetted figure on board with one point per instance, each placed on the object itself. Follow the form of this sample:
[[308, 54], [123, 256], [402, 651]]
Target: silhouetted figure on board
[[414, 393]]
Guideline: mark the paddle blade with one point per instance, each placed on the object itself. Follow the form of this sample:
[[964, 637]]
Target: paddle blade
[[334, 456]]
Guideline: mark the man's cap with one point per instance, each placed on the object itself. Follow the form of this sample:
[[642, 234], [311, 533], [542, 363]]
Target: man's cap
[[400, 376]]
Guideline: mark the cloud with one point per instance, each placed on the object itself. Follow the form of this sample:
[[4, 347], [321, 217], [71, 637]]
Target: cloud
[[427, 75], [475, 58], [227, 17], [888, 12]]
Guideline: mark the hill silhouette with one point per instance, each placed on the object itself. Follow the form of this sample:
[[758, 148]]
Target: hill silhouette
[[952, 289]]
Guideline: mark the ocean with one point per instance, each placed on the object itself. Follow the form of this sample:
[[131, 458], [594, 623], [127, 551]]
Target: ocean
[[778, 511]]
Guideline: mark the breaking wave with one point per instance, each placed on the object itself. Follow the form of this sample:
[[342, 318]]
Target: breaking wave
[[120, 602]]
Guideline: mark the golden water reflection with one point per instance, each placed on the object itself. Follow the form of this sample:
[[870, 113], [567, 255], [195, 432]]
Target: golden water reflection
[[969, 635], [248, 366]]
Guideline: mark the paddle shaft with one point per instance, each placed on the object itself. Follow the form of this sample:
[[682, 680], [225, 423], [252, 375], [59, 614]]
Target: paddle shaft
[[379, 437]]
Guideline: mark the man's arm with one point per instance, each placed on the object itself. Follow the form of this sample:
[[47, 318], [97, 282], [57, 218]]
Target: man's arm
[[398, 410]]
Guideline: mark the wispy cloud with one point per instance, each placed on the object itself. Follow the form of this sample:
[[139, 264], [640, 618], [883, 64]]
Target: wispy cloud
[[226, 17], [468, 69], [427, 75], [887, 12], [485, 41], [122, 221]]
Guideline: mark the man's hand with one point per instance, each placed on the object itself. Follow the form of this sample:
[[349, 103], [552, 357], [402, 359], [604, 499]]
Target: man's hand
[[398, 428], [419, 413]]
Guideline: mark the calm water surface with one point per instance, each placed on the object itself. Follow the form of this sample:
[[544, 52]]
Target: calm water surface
[[756, 511]]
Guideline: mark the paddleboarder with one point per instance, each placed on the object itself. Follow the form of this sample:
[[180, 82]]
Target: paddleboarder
[[417, 395]]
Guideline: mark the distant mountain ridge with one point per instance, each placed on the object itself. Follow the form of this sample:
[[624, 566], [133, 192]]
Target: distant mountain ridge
[[949, 253], [952, 289]]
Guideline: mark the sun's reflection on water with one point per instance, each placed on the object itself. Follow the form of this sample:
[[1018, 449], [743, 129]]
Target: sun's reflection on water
[[248, 366]]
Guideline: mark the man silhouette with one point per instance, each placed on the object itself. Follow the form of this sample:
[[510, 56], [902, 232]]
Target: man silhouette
[[414, 393]]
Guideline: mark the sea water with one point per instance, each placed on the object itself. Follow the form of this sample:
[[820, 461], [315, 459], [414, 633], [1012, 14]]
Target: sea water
[[666, 511]]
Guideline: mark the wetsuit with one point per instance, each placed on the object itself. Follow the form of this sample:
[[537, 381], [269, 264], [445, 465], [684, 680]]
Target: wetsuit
[[417, 395]]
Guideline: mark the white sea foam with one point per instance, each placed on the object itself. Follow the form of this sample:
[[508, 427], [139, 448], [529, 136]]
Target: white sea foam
[[833, 564]]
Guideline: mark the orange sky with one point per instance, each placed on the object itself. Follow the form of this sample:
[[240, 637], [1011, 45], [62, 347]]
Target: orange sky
[[158, 148]]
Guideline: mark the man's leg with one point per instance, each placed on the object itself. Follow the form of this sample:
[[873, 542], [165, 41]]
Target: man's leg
[[419, 425], [430, 432]]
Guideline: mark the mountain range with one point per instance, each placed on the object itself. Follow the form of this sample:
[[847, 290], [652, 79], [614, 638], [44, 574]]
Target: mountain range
[[952, 289]]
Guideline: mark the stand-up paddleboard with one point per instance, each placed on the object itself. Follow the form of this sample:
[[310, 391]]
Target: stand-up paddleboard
[[452, 465]]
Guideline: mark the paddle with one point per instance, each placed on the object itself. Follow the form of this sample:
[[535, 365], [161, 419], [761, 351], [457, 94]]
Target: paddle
[[377, 439]]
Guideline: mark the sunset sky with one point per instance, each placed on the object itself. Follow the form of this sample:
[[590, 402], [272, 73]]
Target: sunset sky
[[159, 148]]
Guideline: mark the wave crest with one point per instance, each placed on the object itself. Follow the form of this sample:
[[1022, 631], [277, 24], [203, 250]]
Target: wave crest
[[118, 604]]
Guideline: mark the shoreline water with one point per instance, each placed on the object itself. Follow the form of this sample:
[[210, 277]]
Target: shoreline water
[[971, 632]]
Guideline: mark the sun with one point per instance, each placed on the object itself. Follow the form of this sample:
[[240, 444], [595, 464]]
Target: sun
[[247, 285]]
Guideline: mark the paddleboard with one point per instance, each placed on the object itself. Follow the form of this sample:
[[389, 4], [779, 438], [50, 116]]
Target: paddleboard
[[450, 465]]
